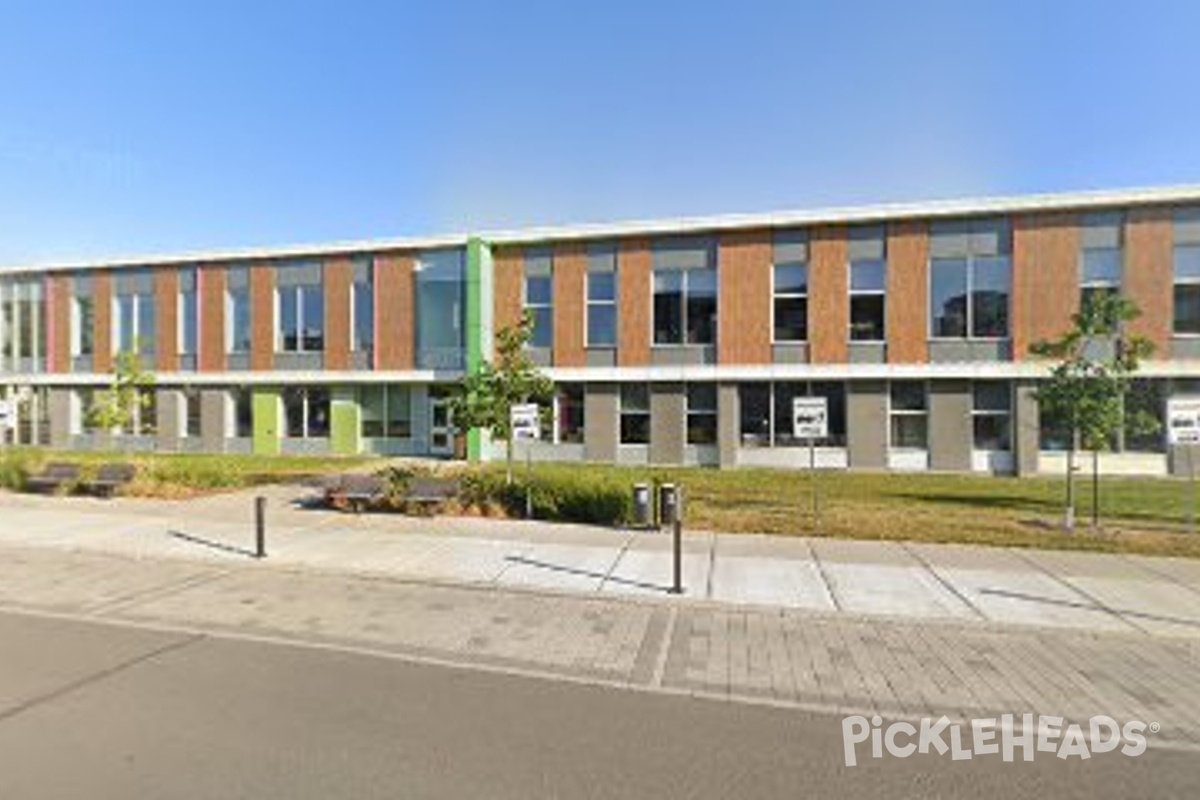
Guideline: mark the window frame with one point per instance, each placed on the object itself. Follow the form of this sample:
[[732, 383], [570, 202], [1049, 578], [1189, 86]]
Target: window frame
[[685, 299], [893, 412], [853, 293], [979, 413], [623, 412], [776, 296], [547, 307], [300, 292], [235, 297], [589, 303], [1176, 282], [969, 264], [710, 416]]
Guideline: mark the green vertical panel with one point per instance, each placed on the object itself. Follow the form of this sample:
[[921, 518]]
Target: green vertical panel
[[265, 408], [479, 324], [345, 423]]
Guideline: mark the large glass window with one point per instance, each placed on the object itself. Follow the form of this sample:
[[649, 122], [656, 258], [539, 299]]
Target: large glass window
[[991, 415], [970, 279], [909, 416], [1145, 414], [386, 411], [685, 306], [754, 410], [134, 320], [765, 411], [601, 309], [1187, 272], [306, 412], [190, 427], [83, 317], [237, 306], [539, 302], [635, 413], [791, 302], [301, 318], [569, 424], [1101, 256], [440, 280], [242, 419], [701, 413], [362, 299], [188, 312], [868, 280]]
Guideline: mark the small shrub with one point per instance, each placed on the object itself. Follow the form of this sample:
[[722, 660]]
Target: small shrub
[[554, 496], [15, 468]]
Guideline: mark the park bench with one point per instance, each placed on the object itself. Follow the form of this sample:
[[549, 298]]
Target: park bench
[[353, 491], [428, 494], [53, 478], [109, 478]]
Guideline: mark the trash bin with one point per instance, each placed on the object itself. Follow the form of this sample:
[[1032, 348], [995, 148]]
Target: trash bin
[[641, 505], [670, 504]]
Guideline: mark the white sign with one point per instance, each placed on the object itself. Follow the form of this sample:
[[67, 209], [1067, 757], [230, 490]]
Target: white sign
[[1183, 420], [526, 422], [8, 416], [810, 418]]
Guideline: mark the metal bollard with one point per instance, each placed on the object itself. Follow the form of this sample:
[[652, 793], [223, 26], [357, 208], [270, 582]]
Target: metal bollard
[[669, 504], [677, 548], [641, 505], [260, 527]]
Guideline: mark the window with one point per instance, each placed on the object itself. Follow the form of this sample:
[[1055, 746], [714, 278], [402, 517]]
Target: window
[[635, 413], [701, 413], [237, 310], [1101, 256], [362, 310], [306, 411], [133, 320], [144, 411], [569, 412], [386, 411], [83, 317], [188, 312], [991, 415], [539, 302], [765, 411], [791, 302], [601, 309], [1187, 271], [243, 413], [970, 279], [441, 282], [868, 283], [300, 294], [1145, 417], [191, 413], [909, 416], [685, 292]]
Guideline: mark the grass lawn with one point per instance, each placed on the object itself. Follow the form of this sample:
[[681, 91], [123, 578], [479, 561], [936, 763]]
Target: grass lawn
[[1138, 515], [181, 475]]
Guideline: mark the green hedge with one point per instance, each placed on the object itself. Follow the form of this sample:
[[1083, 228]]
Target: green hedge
[[556, 496]]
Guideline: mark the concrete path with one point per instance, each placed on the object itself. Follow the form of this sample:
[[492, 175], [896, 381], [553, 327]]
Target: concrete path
[[970, 584]]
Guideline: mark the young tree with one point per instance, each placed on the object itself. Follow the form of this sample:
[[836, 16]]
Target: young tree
[[485, 399], [117, 407], [1088, 386]]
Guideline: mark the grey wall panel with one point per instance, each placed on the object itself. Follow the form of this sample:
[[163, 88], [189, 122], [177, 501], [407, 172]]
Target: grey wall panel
[[59, 402], [868, 353], [950, 427], [300, 274], [728, 424], [790, 353], [866, 424], [601, 357], [693, 252], [668, 423], [169, 411], [1026, 423], [1187, 226], [600, 424], [867, 242], [420, 410], [298, 361], [683, 354], [790, 246], [1185, 347], [213, 408], [964, 350]]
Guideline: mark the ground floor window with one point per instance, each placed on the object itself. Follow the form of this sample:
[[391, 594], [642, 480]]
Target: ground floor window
[[991, 415], [142, 414], [190, 418], [241, 420], [306, 412], [1143, 428], [635, 413], [765, 411], [568, 407], [701, 413], [908, 415], [386, 411]]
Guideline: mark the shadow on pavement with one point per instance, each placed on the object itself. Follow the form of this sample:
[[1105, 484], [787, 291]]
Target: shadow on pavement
[[226, 548], [533, 562]]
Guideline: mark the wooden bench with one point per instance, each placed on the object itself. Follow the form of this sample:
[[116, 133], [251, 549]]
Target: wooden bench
[[353, 491], [109, 478], [53, 478], [431, 493]]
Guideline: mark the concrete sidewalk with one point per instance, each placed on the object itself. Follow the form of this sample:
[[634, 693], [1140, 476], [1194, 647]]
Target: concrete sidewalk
[[915, 581]]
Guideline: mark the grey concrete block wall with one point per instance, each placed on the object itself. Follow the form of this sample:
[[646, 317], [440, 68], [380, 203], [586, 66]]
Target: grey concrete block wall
[[1026, 428], [728, 424], [951, 434], [419, 405], [600, 424], [59, 402], [213, 409], [168, 419], [668, 423], [866, 424]]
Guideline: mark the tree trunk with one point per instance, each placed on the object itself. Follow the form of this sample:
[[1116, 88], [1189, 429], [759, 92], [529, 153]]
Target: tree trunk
[[1095, 489], [508, 458], [1069, 518]]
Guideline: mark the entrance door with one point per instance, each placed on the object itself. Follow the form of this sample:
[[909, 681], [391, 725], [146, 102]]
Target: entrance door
[[441, 425]]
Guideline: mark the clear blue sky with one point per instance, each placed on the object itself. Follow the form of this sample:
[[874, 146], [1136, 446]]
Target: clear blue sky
[[164, 126]]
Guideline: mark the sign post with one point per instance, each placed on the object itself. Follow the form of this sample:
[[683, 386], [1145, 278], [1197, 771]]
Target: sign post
[[1183, 430], [526, 422], [810, 421], [8, 420]]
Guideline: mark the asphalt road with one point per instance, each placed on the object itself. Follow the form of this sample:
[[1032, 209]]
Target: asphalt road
[[97, 711]]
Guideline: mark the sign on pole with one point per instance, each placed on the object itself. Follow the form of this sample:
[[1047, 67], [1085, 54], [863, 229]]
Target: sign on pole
[[1183, 420], [810, 418], [8, 416], [526, 422]]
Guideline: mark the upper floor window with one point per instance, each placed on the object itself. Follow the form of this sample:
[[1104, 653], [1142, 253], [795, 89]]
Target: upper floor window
[[1101, 255], [22, 325], [970, 278], [301, 301], [868, 283], [237, 310], [1187, 271], [440, 308], [685, 293], [133, 320], [362, 305], [602, 296], [539, 296], [790, 286], [188, 312], [83, 316]]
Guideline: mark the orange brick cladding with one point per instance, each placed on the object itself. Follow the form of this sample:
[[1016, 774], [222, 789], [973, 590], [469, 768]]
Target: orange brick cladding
[[394, 321], [744, 316], [211, 357], [1045, 278], [339, 275], [262, 317], [508, 272], [58, 290], [907, 305], [1149, 274], [102, 343], [633, 302], [570, 274], [166, 306], [828, 300]]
